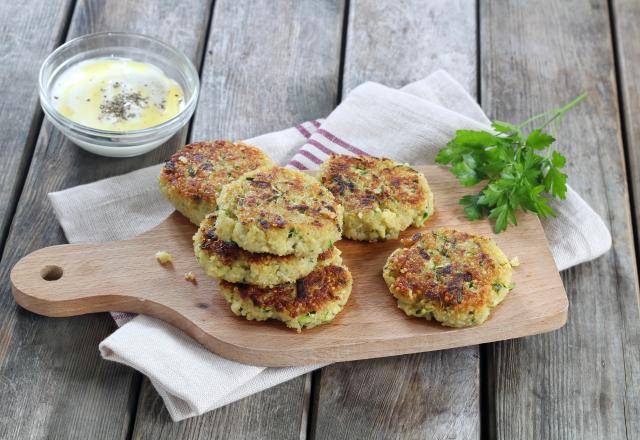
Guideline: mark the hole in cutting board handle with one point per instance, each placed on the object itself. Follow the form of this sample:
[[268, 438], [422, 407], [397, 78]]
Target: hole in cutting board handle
[[51, 273]]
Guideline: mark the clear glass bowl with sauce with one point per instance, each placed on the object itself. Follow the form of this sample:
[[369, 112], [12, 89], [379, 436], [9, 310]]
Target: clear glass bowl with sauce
[[139, 48]]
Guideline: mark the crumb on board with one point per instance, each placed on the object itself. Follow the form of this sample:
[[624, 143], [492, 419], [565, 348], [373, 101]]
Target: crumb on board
[[514, 262], [163, 257], [190, 276]]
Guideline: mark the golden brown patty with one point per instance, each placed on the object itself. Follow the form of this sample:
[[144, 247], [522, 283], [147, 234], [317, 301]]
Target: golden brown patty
[[279, 211], [451, 276], [381, 197], [313, 300], [193, 178], [226, 260]]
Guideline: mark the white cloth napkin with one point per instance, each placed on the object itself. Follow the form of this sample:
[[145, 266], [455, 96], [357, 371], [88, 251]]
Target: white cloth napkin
[[409, 125]]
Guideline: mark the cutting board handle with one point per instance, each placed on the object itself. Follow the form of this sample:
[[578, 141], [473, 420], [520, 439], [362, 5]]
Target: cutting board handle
[[69, 280], [124, 276]]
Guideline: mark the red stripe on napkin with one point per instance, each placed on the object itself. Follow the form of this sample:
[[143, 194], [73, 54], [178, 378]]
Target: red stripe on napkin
[[336, 140], [310, 156], [303, 131], [298, 165], [321, 147]]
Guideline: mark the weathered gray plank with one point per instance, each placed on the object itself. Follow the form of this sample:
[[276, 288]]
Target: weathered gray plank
[[277, 413], [583, 380], [23, 48], [429, 395], [52, 380], [395, 43], [626, 15], [268, 65]]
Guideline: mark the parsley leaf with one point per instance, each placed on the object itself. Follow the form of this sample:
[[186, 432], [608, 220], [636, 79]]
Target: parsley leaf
[[521, 170], [539, 140], [473, 209]]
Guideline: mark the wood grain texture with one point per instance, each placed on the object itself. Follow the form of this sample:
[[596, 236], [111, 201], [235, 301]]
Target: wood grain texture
[[267, 415], [582, 381], [396, 43], [398, 398], [54, 384], [268, 65], [23, 49], [626, 22], [125, 276]]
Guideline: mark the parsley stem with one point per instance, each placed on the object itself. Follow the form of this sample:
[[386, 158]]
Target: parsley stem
[[556, 113], [561, 111], [533, 118]]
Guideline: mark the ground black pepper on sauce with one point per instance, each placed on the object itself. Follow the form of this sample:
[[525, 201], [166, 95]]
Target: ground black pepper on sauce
[[120, 105]]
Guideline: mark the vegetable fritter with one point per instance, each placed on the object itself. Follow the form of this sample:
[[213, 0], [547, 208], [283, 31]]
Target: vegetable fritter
[[279, 211], [453, 277], [380, 197], [193, 178], [313, 300], [226, 260]]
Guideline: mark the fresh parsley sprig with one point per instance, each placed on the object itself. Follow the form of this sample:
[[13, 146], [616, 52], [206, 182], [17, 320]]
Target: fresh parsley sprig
[[521, 170]]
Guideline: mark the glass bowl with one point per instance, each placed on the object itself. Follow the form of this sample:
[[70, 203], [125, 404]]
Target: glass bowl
[[122, 45]]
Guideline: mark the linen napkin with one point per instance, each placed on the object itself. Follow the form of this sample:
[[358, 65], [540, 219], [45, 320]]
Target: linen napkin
[[408, 125]]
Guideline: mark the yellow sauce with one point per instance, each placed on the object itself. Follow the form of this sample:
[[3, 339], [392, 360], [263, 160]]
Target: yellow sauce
[[117, 94]]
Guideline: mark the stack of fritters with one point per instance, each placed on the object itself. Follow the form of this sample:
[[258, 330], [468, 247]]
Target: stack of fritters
[[269, 236]]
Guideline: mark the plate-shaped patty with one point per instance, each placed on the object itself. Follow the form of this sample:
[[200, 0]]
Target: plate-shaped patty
[[381, 197], [194, 176], [226, 260], [453, 277], [313, 300], [279, 211]]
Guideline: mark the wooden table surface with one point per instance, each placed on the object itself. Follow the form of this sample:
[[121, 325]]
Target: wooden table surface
[[265, 65]]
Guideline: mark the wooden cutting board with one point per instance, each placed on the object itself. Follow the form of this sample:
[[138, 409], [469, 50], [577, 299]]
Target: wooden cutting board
[[124, 276]]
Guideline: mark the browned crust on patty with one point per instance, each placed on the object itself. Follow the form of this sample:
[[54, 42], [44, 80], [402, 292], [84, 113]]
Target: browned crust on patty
[[308, 294], [199, 170], [365, 182], [462, 274]]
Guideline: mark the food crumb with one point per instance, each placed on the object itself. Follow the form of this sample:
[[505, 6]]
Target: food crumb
[[190, 276], [514, 262], [163, 257]]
